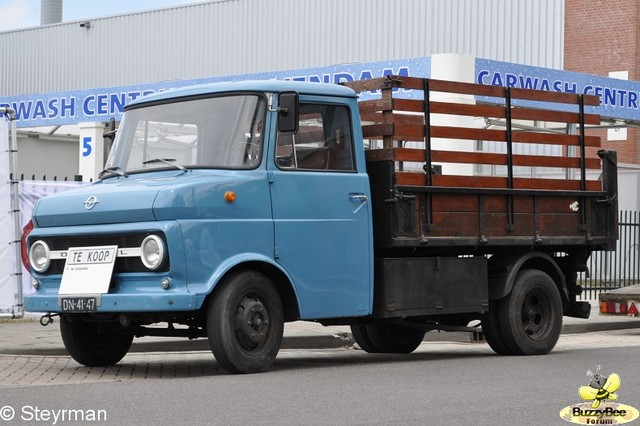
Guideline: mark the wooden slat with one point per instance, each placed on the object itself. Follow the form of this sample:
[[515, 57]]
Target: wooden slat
[[376, 105], [501, 136], [557, 184], [418, 179], [449, 132], [409, 132], [417, 155], [479, 110], [408, 105], [453, 87], [411, 178], [497, 91], [371, 84], [472, 89], [378, 130]]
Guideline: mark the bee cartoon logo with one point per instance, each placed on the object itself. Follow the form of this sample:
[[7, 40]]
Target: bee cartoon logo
[[600, 408], [600, 389]]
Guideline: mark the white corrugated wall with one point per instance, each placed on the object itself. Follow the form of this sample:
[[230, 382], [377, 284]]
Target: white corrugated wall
[[246, 36]]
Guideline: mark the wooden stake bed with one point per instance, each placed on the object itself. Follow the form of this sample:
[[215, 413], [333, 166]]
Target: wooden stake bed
[[429, 192]]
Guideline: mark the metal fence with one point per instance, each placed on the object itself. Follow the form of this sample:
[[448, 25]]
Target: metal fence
[[615, 269], [74, 178]]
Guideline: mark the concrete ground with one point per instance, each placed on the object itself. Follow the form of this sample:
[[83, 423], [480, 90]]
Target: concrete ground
[[28, 337]]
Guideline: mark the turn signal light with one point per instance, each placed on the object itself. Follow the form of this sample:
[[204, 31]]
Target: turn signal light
[[230, 196]]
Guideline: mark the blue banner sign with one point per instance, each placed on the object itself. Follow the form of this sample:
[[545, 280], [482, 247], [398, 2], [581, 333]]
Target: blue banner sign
[[50, 109], [619, 99]]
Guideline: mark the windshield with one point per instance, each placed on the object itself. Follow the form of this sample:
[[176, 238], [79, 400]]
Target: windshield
[[219, 132]]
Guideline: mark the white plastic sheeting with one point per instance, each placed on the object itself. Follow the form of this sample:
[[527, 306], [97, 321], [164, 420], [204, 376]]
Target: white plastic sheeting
[[30, 193]]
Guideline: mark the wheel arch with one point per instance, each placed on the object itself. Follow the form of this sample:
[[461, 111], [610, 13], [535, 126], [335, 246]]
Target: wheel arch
[[504, 269], [280, 279]]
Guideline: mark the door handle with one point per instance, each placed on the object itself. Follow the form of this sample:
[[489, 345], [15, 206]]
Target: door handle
[[360, 197]]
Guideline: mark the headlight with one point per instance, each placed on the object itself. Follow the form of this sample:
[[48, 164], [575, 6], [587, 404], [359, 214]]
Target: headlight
[[39, 256], [153, 252]]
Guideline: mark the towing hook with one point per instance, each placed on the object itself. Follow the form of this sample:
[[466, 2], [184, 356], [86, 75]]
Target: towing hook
[[47, 319]]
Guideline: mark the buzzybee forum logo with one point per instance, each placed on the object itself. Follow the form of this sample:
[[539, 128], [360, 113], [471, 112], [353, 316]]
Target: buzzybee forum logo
[[600, 408]]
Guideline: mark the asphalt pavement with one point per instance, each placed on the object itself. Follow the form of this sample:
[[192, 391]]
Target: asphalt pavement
[[28, 337]]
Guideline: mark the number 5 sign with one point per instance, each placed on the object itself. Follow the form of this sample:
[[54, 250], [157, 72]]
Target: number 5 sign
[[90, 150], [86, 146]]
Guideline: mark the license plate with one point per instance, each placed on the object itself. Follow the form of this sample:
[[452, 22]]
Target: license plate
[[88, 270], [78, 304]]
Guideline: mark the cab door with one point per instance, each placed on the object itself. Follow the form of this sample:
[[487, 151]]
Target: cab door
[[322, 213]]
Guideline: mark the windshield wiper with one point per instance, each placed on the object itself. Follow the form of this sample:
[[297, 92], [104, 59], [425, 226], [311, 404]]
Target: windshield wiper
[[115, 170], [166, 161]]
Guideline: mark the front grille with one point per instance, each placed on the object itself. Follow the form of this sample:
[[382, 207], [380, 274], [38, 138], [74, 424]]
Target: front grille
[[122, 264]]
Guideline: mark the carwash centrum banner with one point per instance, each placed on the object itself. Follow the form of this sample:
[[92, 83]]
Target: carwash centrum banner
[[49, 109], [619, 99]]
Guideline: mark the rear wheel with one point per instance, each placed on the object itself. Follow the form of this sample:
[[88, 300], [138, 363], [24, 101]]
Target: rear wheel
[[245, 323], [361, 337], [491, 330], [531, 315], [387, 338], [94, 344]]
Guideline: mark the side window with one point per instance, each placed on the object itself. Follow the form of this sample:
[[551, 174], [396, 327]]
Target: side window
[[323, 141]]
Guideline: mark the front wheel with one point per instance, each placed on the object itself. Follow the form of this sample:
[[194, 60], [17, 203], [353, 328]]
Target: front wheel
[[531, 315], [245, 323], [94, 344]]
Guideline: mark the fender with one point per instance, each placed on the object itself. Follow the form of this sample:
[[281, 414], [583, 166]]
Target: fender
[[504, 269], [202, 291]]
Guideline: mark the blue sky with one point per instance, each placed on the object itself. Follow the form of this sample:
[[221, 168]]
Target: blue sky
[[16, 14]]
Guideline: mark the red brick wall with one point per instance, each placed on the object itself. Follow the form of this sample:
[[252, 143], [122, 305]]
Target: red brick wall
[[600, 37]]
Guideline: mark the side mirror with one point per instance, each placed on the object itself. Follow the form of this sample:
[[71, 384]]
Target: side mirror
[[288, 112], [110, 133]]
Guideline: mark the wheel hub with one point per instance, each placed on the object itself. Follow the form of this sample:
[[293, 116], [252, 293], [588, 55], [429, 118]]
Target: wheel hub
[[251, 323], [533, 312]]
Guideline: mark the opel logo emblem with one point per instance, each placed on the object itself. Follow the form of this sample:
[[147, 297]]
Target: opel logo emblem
[[91, 202]]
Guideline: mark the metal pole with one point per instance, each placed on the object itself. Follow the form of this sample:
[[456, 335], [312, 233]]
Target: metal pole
[[15, 210]]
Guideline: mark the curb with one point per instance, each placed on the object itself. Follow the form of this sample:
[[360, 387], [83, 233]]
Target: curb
[[316, 341], [340, 340]]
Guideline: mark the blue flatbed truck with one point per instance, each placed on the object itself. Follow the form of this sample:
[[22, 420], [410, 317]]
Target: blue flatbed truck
[[229, 209]]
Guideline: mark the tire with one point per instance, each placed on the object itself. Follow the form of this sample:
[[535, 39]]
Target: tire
[[361, 337], [531, 314], [245, 322], [491, 330], [94, 344], [391, 338]]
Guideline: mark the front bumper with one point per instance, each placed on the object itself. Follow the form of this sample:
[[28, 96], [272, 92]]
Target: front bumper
[[135, 301], [128, 291]]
